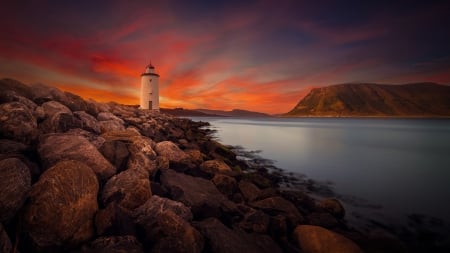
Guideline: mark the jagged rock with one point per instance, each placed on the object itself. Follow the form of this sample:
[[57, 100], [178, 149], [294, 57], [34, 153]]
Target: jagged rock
[[107, 116], [225, 184], [157, 204], [279, 205], [332, 206], [215, 166], [53, 107], [62, 205], [89, 123], [114, 220], [221, 239], [197, 193], [94, 139], [129, 189], [314, 239], [116, 152], [110, 125], [18, 88], [249, 190], [17, 122], [113, 244], [15, 183], [75, 102], [5, 242], [57, 147], [176, 156]]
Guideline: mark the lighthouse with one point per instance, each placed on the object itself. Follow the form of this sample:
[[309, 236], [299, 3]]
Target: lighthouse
[[149, 89]]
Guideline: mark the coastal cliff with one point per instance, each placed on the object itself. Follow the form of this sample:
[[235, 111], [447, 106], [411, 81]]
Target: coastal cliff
[[375, 100], [81, 176]]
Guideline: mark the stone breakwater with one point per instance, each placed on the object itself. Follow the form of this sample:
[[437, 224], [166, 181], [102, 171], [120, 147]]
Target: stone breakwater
[[82, 176]]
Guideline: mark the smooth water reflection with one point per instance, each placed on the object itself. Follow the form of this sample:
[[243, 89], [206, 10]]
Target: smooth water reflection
[[401, 164]]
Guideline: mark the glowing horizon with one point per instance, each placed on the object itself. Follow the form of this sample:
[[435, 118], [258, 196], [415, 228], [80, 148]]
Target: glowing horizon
[[257, 56]]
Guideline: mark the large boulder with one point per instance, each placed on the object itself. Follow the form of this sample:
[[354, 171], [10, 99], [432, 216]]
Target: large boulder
[[129, 189], [170, 150], [53, 107], [279, 205], [116, 152], [314, 239], [142, 144], [57, 147], [88, 121], [221, 239], [15, 183], [62, 205], [141, 161], [59, 123], [197, 193], [12, 147], [110, 125], [17, 122], [113, 244]]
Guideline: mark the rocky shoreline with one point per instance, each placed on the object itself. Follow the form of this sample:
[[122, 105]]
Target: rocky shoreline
[[82, 176]]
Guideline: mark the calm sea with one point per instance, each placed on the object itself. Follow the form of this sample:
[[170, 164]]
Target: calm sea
[[401, 166]]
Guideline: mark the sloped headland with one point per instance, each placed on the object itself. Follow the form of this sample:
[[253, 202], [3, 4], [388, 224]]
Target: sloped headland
[[375, 100], [81, 176]]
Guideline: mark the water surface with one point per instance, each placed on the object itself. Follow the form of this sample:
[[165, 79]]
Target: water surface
[[402, 165]]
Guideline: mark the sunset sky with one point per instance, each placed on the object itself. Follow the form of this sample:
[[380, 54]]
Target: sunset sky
[[254, 55]]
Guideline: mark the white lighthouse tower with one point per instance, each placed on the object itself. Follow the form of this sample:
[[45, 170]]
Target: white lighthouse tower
[[149, 89]]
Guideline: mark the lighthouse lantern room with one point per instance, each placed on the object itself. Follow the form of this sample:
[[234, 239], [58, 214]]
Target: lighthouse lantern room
[[149, 89]]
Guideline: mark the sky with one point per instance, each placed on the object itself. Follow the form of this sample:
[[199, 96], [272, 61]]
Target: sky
[[255, 55]]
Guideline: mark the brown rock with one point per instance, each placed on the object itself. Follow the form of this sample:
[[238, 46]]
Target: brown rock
[[88, 121], [249, 190], [215, 166], [196, 156], [114, 220], [332, 206], [225, 184], [314, 239], [57, 147], [114, 244], [62, 205], [279, 205], [221, 239], [107, 116], [60, 122], [15, 183], [116, 152], [17, 122], [12, 147], [144, 145], [156, 204], [120, 135], [171, 151], [256, 221], [129, 189], [142, 162], [53, 107], [325, 220], [110, 125], [197, 193]]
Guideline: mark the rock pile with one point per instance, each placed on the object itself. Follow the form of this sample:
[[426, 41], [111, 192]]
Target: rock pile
[[82, 176]]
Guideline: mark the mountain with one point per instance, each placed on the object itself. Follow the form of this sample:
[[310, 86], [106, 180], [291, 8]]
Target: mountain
[[233, 113], [377, 100], [181, 112]]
